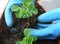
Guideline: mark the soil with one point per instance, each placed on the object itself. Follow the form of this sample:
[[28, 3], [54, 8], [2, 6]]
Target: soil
[[10, 37]]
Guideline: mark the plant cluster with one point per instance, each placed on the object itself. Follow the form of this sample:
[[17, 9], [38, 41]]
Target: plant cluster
[[28, 39], [26, 10]]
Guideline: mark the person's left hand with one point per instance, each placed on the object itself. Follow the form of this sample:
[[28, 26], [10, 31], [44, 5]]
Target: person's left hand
[[8, 13]]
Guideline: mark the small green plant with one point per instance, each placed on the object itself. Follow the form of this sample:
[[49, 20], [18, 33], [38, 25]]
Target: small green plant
[[28, 39], [26, 10]]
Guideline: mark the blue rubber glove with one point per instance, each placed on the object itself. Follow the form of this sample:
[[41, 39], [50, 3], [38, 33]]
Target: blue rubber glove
[[8, 13], [48, 31]]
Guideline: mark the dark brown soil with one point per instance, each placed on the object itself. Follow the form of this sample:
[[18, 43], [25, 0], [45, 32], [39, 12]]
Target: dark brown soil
[[10, 37]]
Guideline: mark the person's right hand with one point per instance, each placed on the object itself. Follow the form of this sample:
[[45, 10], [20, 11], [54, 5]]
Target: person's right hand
[[8, 13], [48, 31]]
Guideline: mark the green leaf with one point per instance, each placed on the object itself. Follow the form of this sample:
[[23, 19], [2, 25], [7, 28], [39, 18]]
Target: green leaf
[[18, 15], [18, 42], [27, 32], [31, 6], [15, 8], [34, 38], [35, 11]]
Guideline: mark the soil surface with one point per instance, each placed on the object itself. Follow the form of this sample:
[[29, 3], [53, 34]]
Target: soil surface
[[10, 37]]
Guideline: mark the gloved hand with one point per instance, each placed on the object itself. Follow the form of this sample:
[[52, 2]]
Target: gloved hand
[[8, 13], [48, 31]]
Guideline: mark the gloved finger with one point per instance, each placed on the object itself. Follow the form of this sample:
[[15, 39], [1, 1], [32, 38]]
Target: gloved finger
[[8, 13], [54, 22], [50, 16], [52, 31], [43, 25], [40, 25], [8, 18]]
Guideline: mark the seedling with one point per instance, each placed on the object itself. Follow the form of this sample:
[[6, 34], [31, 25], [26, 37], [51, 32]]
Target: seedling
[[28, 39], [26, 10]]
